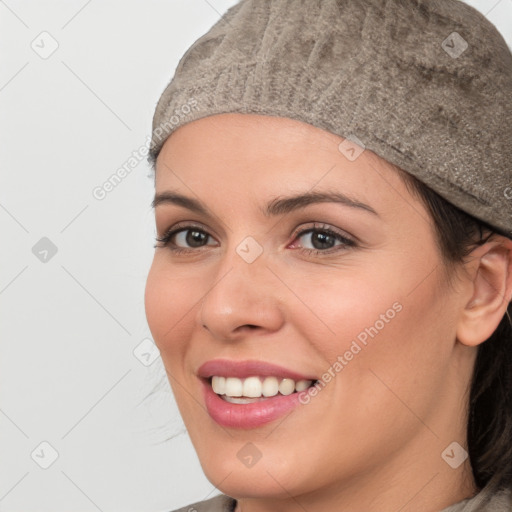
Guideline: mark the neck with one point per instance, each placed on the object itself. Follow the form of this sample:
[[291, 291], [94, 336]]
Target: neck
[[432, 490]]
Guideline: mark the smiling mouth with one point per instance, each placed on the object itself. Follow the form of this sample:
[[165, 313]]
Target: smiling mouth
[[255, 388]]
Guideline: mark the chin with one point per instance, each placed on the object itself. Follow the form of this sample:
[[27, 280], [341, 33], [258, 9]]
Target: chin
[[274, 475], [253, 482]]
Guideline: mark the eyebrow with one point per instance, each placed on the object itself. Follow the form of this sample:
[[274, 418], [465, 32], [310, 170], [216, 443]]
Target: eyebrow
[[278, 206]]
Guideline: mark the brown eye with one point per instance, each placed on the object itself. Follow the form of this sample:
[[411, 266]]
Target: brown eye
[[322, 240], [183, 239], [191, 237]]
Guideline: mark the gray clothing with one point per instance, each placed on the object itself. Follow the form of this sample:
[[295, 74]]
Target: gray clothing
[[487, 500]]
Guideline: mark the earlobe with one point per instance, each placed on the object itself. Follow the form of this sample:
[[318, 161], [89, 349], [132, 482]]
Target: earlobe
[[491, 274]]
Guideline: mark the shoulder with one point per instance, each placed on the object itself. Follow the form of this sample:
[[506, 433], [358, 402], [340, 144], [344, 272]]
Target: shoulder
[[487, 500], [221, 503], [499, 501]]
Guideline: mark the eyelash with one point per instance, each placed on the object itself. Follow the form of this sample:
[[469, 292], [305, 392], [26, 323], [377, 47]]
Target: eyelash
[[346, 242]]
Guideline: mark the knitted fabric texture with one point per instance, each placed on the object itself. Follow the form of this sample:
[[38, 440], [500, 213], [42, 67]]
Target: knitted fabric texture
[[424, 84]]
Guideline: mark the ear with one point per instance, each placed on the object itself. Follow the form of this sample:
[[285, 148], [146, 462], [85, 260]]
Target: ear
[[490, 271]]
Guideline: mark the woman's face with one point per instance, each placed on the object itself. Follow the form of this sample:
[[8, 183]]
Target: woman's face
[[343, 286]]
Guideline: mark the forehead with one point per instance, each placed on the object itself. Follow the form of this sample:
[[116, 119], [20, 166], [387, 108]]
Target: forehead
[[254, 154]]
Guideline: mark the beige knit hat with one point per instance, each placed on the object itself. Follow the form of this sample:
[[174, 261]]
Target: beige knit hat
[[424, 84]]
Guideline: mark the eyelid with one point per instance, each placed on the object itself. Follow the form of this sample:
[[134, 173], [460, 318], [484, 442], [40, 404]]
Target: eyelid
[[188, 224], [321, 226], [167, 215]]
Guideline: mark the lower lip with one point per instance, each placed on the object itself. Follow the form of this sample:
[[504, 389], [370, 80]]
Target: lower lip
[[246, 416]]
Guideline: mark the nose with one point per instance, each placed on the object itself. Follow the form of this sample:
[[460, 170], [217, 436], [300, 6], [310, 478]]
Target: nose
[[242, 299]]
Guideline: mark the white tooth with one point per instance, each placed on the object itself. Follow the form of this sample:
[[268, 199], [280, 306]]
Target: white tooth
[[256, 387], [243, 400], [301, 385], [234, 387], [219, 384], [252, 387], [287, 387], [270, 386]]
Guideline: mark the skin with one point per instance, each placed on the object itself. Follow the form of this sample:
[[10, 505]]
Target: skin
[[372, 439]]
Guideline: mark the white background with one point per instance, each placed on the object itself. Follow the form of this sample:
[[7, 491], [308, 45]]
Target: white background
[[68, 374]]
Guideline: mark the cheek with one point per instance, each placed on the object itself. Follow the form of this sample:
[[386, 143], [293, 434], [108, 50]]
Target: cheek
[[169, 300], [156, 296], [351, 303], [405, 356], [393, 321]]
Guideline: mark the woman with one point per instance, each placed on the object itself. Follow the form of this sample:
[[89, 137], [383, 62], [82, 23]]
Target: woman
[[332, 279]]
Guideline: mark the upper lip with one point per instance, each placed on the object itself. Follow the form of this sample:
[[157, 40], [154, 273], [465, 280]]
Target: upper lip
[[247, 368]]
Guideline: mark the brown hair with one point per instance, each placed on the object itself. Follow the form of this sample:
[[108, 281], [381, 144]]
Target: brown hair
[[489, 429]]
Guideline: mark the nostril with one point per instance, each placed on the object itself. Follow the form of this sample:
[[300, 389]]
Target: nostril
[[249, 327]]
